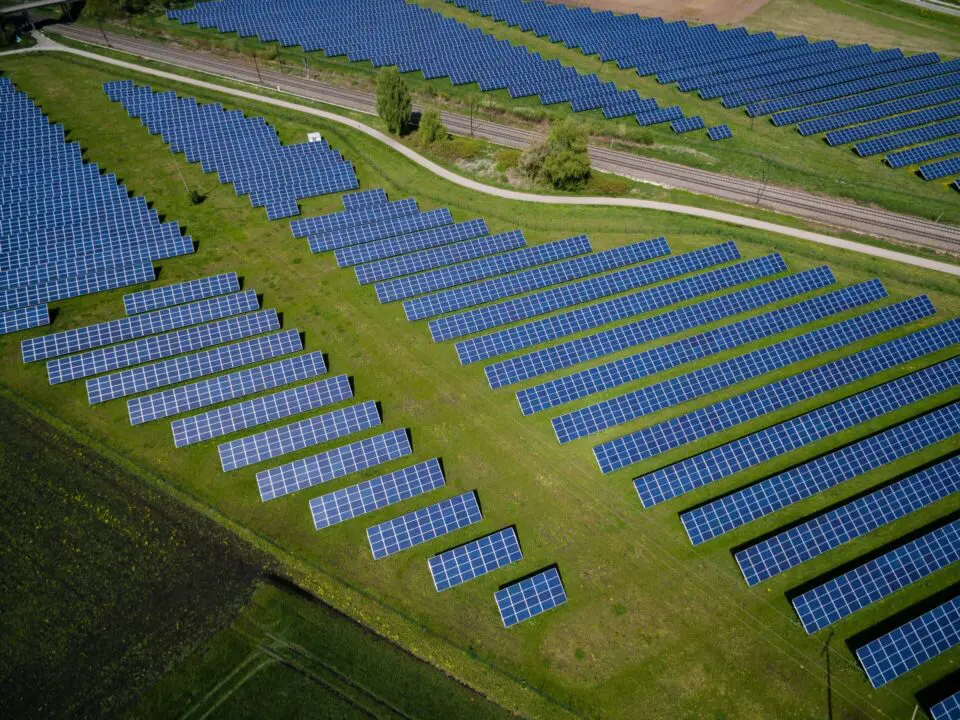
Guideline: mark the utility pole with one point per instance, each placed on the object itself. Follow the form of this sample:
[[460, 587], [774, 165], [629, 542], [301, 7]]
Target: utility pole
[[762, 187], [180, 173], [257, 66], [106, 42]]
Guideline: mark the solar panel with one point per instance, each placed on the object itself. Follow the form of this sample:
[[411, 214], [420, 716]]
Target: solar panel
[[65, 288], [913, 643], [364, 198], [719, 376], [380, 492], [24, 318], [785, 437], [540, 362], [532, 596], [766, 497], [401, 288], [420, 526], [719, 132], [357, 234], [634, 367], [609, 311], [225, 387], [920, 154], [136, 326], [299, 435], [333, 464], [878, 578], [366, 215], [400, 244], [947, 709], [768, 398], [478, 557], [156, 347], [258, 411], [437, 257], [854, 519], [687, 124], [593, 288], [937, 170], [532, 279], [179, 293], [176, 370]]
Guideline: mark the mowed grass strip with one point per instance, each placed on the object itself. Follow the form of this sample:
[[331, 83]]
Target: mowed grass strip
[[647, 615]]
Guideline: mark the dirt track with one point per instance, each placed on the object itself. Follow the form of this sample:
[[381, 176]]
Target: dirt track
[[722, 12]]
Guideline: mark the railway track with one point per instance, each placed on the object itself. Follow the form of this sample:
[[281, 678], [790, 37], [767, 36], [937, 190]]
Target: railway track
[[827, 211]]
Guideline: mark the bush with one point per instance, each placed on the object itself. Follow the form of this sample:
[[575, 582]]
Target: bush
[[432, 129], [562, 160], [393, 100]]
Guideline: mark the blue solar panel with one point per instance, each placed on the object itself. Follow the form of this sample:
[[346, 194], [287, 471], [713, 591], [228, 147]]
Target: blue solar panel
[[878, 578], [402, 288], [380, 230], [333, 464], [540, 362], [521, 308], [176, 370], [422, 525], [878, 112], [299, 435], [634, 367], [136, 326], [854, 519], [156, 347], [911, 644], [937, 170], [906, 139], [478, 557], [712, 378], [225, 387], [364, 198], [532, 279], [736, 456], [899, 122], [380, 492], [180, 293], [574, 321], [532, 596], [358, 216], [923, 153], [701, 423], [766, 497], [258, 411], [390, 247], [438, 257], [687, 124], [24, 319], [947, 709], [65, 288], [719, 132]]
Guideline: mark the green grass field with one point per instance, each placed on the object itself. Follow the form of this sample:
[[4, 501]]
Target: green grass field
[[758, 149], [649, 618]]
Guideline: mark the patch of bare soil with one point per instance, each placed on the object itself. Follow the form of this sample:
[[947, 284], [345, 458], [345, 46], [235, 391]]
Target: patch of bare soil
[[721, 12]]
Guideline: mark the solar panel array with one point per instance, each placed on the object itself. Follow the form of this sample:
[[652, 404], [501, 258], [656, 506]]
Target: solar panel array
[[136, 326], [890, 656], [849, 521], [899, 122], [687, 124], [398, 245], [572, 352], [190, 367], [420, 526], [332, 464], [947, 709], [225, 387], [243, 151], [701, 423], [66, 229], [391, 32], [299, 435], [712, 378], [530, 597], [720, 132], [937, 170], [179, 293], [634, 367], [764, 498], [358, 234], [876, 112], [905, 139], [811, 427], [380, 492], [917, 155], [258, 411], [478, 557], [364, 215], [878, 578]]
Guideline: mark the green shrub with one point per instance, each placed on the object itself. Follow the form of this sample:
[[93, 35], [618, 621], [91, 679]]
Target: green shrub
[[432, 129], [393, 100], [562, 160]]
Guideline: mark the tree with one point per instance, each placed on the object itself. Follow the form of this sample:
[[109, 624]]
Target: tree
[[393, 100], [432, 129], [566, 165]]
